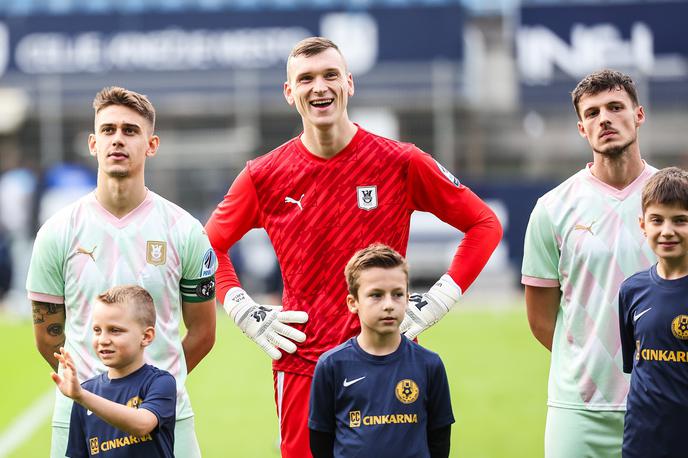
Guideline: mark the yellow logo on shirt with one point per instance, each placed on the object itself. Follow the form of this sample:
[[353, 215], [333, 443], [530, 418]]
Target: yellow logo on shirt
[[93, 442], [134, 402], [354, 419], [156, 252], [407, 391], [679, 327]]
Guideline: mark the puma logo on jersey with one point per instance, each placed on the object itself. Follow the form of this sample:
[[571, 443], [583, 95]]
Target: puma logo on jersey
[[583, 227], [289, 200], [81, 250]]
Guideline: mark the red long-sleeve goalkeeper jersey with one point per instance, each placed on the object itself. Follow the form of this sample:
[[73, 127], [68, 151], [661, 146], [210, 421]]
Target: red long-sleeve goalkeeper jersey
[[319, 212]]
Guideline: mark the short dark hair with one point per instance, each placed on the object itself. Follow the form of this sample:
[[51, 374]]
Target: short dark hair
[[115, 95], [312, 46], [375, 255], [669, 186], [136, 298], [603, 80]]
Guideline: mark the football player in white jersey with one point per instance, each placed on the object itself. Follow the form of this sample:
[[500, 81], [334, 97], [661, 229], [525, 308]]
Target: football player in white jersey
[[124, 233], [582, 241]]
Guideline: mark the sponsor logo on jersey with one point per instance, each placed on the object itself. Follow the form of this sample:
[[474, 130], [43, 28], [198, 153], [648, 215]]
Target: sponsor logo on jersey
[[156, 252], [367, 197], [455, 181], [354, 419], [667, 356], [81, 250], [93, 443], [407, 391], [351, 382], [636, 316], [134, 402], [206, 288], [583, 227], [209, 262], [290, 200], [679, 327], [125, 441]]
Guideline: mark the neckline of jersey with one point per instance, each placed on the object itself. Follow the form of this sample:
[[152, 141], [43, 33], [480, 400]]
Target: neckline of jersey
[[619, 194], [346, 151], [126, 219]]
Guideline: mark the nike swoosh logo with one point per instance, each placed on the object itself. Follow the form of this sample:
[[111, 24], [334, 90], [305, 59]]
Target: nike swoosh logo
[[88, 412], [637, 316], [351, 382]]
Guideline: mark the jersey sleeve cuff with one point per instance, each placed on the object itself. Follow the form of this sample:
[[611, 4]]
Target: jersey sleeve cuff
[[540, 282], [48, 298]]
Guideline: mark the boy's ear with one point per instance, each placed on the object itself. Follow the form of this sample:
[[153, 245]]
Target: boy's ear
[[148, 336], [352, 303], [641, 221]]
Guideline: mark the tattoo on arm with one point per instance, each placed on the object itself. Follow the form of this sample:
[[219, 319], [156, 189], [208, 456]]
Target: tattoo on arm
[[41, 310], [55, 329]]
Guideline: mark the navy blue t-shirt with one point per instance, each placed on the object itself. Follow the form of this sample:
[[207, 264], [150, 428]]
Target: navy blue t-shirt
[[147, 388], [380, 406], [653, 315]]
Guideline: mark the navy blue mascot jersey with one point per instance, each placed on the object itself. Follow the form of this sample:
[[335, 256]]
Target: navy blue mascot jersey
[[653, 316], [380, 406], [147, 388]]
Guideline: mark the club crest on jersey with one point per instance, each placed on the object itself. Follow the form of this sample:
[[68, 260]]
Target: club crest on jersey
[[407, 391], [367, 197], [156, 252], [455, 181], [679, 327]]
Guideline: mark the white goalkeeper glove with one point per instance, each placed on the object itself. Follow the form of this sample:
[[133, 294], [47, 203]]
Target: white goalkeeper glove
[[265, 324], [425, 310]]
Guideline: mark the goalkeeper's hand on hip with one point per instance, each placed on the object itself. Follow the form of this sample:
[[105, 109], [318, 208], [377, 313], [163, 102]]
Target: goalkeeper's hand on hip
[[265, 324], [424, 310]]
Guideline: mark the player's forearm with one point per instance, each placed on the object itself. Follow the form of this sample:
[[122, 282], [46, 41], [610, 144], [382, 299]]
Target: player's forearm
[[137, 422], [542, 306], [48, 327], [197, 344]]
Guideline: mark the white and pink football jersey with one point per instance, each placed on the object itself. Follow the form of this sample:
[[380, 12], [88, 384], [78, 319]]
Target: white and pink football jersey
[[83, 250], [584, 237]]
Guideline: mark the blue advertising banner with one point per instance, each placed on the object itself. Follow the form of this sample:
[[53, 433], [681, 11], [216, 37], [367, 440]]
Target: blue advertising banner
[[82, 44], [648, 39]]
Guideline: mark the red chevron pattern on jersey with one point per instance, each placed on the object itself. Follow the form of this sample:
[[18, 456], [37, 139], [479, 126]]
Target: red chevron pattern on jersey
[[318, 212]]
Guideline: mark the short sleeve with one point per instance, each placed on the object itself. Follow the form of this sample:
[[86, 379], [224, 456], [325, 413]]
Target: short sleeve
[[439, 399], [161, 398], [321, 412], [541, 250], [46, 271], [76, 444], [199, 263]]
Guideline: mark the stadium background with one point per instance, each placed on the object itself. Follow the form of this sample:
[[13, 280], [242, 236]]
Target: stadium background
[[481, 85]]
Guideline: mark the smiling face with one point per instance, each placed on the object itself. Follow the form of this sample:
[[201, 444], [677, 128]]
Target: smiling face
[[319, 86], [122, 140], [119, 338], [381, 300], [609, 120], [666, 229]]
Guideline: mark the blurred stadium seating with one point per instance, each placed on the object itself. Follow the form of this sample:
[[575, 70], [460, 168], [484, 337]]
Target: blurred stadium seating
[[481, 85]]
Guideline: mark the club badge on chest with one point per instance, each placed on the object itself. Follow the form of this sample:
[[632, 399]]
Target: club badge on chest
[[367, 197]]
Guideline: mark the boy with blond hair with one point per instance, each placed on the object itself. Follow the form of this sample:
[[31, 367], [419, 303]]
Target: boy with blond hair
[[379, 394], [653, 316], [130, 409]]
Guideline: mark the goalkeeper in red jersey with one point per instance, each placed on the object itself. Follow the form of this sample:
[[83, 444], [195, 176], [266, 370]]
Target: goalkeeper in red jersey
[[322, 196]]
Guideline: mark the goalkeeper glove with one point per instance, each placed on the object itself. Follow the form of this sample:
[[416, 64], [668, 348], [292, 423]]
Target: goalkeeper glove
[[425, 310], [265, 324]]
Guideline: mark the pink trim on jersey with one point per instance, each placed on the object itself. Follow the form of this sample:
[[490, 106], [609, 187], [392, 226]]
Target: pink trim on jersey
[[144, 207], [540, 282], [620, 194], [49, 298]]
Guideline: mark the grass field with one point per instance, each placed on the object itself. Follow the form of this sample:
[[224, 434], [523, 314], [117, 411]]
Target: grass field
[[497, 373]]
